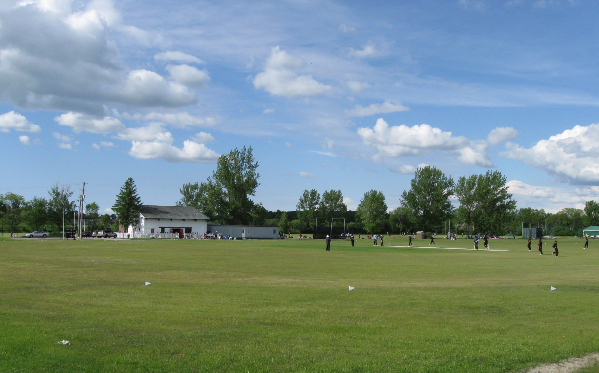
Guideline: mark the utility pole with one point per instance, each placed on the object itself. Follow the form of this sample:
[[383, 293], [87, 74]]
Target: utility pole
[[81, 207]]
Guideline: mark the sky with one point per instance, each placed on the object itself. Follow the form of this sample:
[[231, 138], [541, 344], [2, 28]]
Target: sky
[[344, 95]]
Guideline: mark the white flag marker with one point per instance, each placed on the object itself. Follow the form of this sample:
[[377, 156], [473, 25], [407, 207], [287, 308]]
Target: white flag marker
[[351, 288], [147, 283], [552, 288], [64, 342]]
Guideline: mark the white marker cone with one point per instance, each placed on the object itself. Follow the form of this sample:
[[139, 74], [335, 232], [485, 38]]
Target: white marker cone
[[351, 288], [552, 288], [147, 283]]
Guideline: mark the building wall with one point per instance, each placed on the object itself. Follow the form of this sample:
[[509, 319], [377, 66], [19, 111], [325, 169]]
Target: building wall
[[146, 225]]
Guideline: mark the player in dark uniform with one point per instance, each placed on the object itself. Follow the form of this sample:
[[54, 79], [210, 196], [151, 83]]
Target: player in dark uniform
[[409, 240], [586, 242], [432, 240], [555, 252], [486, 242], [528, 245], [540, 245]]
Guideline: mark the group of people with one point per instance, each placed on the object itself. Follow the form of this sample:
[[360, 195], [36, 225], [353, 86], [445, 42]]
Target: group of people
[[485, 242], [555, 249]]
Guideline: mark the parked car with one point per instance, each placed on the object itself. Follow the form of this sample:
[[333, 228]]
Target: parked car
[[106, 233], [37, 234], [86, 234]]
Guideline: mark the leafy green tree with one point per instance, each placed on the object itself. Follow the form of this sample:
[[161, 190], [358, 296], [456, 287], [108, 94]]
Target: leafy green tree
[[428, 198], [591, 211], [59, 204], [259, 215], [401, 220], [36, 213], [224, 197], [92, 215], [284, 225], [105, 221], [494, 204], [14, 205], [372, 212], [127, 204], [306, 209], [465, 191], [331, 206]]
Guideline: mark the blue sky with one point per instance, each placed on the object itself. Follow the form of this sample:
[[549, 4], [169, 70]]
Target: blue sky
[[330, 95]]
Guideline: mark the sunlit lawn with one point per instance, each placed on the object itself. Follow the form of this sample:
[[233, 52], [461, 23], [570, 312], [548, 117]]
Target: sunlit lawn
[[284, 305]]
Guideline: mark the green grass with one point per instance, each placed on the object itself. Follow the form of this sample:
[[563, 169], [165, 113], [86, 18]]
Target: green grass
[[284, 305]]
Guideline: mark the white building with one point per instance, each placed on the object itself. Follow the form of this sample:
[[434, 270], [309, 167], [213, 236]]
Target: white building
[[179, 220], [245, 231]]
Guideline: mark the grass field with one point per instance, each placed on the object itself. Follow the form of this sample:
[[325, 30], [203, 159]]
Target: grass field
[[284, 305]]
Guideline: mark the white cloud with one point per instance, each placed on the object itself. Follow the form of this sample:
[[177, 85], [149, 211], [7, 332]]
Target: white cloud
[[177, 57], [384, 108], [572, 155], [60, 137], [181, 119], [356, 87], [551, 199], [103, 144], [146, 88], [188, 75], [268, 111], [402, 140], [288, 144], [203, 137], [25, 140], [162, 148], [65, 146], [368, 51], [280, 79], [501, 135], [145, 133], [17, 122], [81, 122], [307, 175]]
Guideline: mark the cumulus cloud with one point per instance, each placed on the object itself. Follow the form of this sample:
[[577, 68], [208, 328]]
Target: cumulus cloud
[[407, 169], [13, 121], [81, 122], [70, 64], [162, 148], [61, 137], [368, 51], [501, 135], [268, 111], [103, 144], [356, 87], [572, 155], [188, 75], [144, 133], [25, 140], [384, 108], [203, 137], [307, 175], [177, 57], [280, 79], [65, 146], [146, 88], [402, 140]]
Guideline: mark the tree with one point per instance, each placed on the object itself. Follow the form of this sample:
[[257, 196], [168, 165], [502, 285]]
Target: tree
[[224, 197], [105, 221], [259, 215], [494, 203], [36, 213], [127, 204], [372, 212], [14, 205], [465, 191], [331, 206], [59, 204], [92, 214], [401, 220], [306, 209], [284, 223], [591, 211], [428, 198]]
